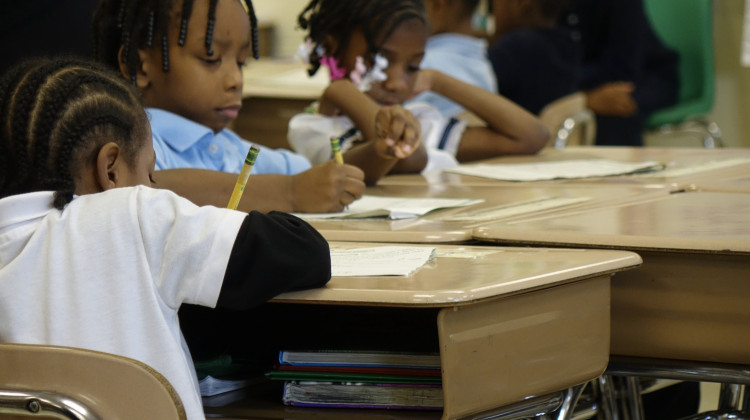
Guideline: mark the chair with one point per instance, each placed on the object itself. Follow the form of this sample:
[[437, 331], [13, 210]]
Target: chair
[[686, 26], [569, 121], [70, 383]]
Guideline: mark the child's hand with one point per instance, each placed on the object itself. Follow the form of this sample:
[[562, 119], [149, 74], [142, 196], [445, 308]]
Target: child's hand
[[328, 187], [612, 99], [398, 132]]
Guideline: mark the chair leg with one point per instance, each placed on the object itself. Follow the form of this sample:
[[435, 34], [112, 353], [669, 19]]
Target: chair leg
[[729, 397], [605, 389], [566, 410], [714, 138], [633, 398]]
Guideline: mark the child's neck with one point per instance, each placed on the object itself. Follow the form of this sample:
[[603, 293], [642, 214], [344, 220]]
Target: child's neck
[[462, 27]]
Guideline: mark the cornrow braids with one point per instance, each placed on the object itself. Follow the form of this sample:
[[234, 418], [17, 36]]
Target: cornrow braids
[[137, 24], [7, 85], [55, 117], [377, 19]]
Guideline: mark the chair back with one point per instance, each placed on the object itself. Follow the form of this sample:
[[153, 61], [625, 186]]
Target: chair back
[[569, 121], [686, 26], [69, 383]]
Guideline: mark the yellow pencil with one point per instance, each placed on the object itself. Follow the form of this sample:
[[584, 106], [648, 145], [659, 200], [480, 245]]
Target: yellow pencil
[[239, 187], [336, 149]]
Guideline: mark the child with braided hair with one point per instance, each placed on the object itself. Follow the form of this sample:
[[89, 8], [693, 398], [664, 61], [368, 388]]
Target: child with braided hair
[[360, 39], [186, 58], [92, 257]]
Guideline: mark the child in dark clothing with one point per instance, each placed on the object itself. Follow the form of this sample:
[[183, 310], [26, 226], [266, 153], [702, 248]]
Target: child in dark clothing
[[628, 73], [535, 60]]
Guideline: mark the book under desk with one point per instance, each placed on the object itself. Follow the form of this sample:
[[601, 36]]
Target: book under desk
[[508, 323]]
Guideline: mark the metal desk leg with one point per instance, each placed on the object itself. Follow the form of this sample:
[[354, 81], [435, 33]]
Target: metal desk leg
[[633, 398], [565, 412], [729, 397]]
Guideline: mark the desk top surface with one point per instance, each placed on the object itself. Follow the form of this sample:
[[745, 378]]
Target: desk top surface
[[698, 222], [735, 183], [460, 275], [455, 225], [678, 161]]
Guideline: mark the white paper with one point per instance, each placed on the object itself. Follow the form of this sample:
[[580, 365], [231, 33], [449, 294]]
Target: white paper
[[391, 208], [698, 168], [379, 261], [212, 386], [566, 169], [514, 209]]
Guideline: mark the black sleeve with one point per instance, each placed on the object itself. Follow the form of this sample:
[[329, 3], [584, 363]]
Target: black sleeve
[[273, 253]]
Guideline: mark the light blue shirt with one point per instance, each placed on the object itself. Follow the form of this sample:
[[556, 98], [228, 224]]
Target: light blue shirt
[[183, 143], [463, 57]]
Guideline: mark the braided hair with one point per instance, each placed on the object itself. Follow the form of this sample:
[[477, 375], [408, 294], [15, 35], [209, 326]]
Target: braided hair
[[137, 24], [377, 19], [55, 115]]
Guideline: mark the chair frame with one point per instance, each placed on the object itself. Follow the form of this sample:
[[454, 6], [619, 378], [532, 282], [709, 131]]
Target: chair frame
[[80, 384]]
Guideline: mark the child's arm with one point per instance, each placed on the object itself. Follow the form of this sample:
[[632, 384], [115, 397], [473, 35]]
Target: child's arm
[[509, 129], [322, 188], [391, 134], [273, 253]]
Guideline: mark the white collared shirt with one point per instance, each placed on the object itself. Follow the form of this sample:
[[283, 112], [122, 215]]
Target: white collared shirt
[[109, 273]]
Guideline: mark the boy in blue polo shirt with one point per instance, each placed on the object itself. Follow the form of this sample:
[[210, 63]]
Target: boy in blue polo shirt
[[186, 58]]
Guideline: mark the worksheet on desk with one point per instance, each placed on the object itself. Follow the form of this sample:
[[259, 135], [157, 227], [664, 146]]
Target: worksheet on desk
[[391, 208], [696, 168], [564, 169], [378, 261]]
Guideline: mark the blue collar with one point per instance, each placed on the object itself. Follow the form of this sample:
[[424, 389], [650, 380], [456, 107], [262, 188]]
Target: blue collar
[[177, 131]]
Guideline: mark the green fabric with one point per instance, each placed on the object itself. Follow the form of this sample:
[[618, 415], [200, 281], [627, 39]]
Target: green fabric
[[686, 26]]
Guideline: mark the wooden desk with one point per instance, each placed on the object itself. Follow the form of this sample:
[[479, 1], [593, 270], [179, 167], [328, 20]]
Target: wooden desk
[[738, 183], [274, 90], [437, 227], [672, 157], [689, 300], [508, 323]]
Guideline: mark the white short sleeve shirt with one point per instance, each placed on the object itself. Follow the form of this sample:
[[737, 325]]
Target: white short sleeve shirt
[[109, 273], [310, 135]]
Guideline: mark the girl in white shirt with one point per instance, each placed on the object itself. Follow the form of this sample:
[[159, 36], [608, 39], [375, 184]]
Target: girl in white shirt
[[373, 50], [92, 257]]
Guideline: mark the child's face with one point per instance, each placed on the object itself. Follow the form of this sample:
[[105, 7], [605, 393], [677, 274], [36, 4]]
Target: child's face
[[206, 89], [404, 50]]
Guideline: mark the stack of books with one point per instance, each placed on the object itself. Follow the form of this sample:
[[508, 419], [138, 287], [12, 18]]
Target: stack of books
[[360, 379]]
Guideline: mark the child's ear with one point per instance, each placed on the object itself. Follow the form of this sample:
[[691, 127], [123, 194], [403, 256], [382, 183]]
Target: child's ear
[[142, 71], [109, 166]]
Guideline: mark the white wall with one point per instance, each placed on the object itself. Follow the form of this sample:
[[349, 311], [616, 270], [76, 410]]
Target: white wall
[[732, 80], [283, 13]]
